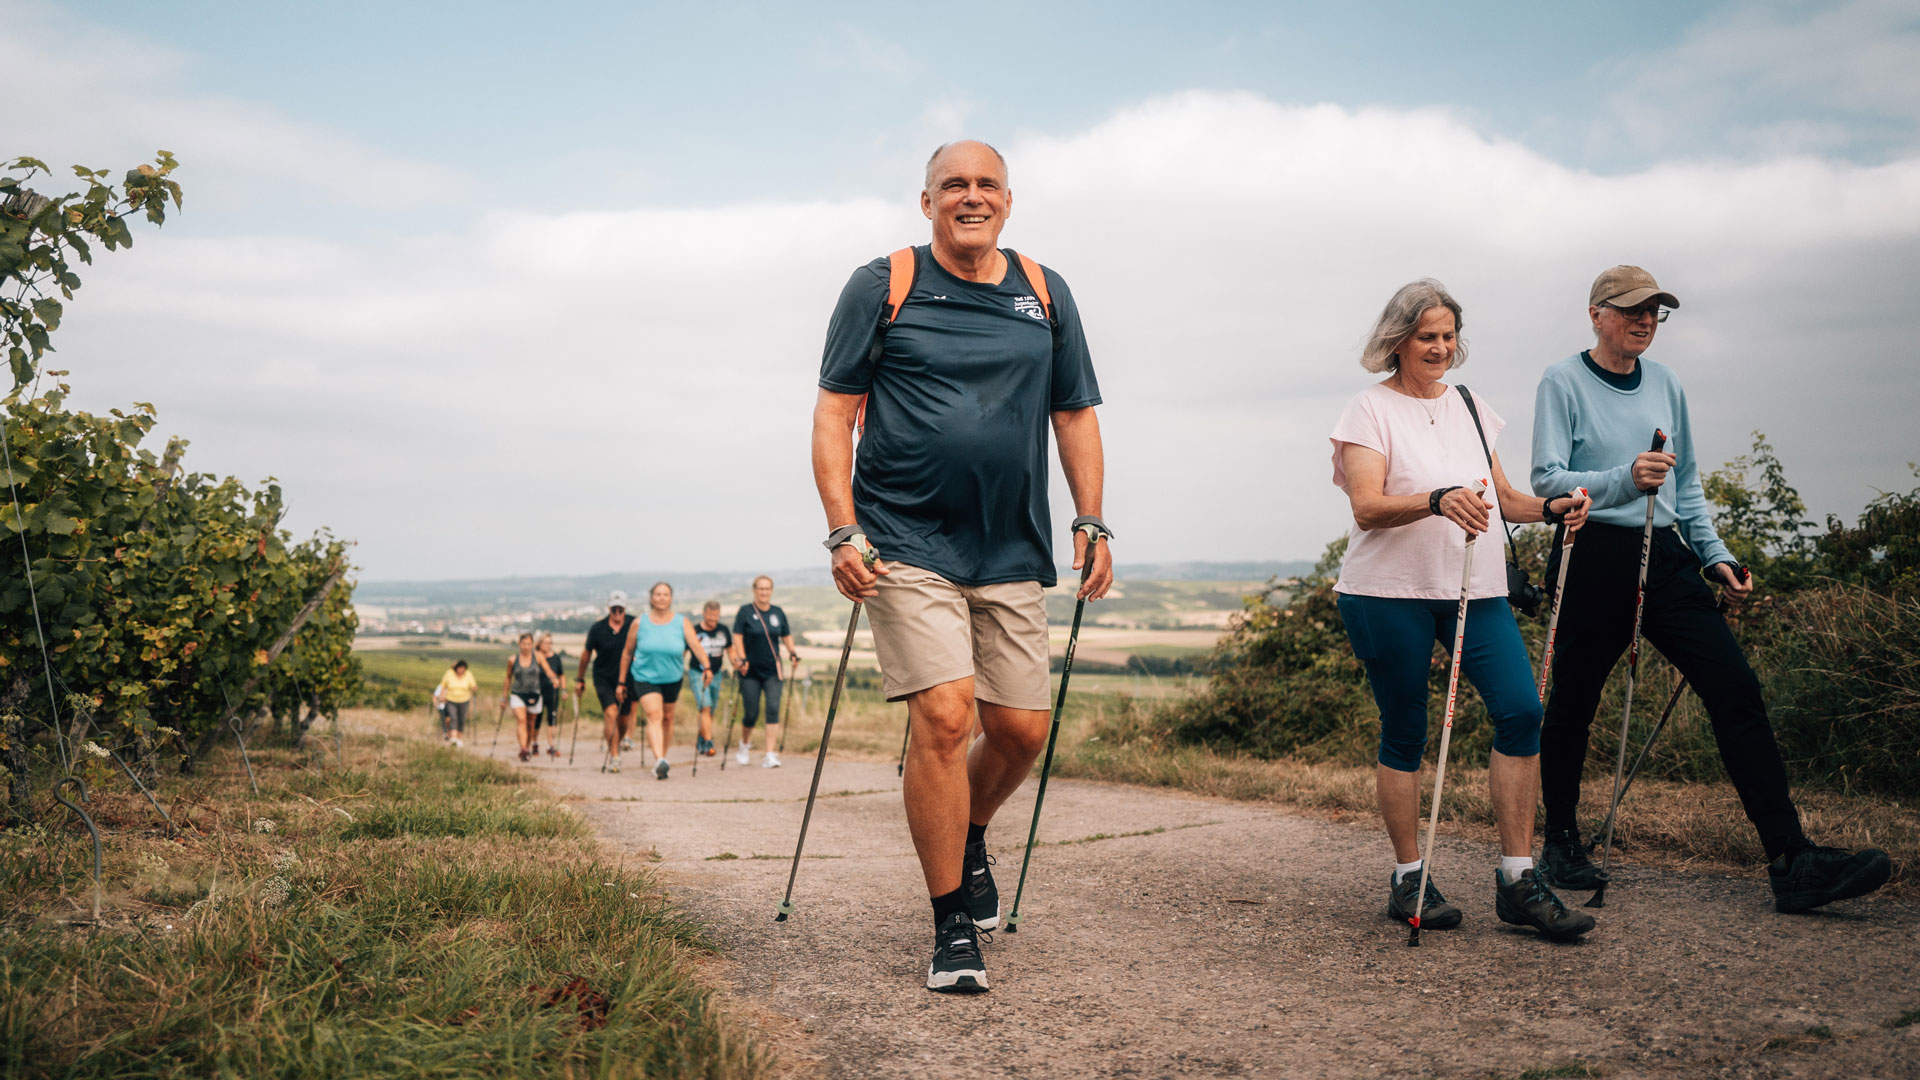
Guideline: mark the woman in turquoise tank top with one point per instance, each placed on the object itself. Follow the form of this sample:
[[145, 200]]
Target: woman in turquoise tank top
[[655, 658]]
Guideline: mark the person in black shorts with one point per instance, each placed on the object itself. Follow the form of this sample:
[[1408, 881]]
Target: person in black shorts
[[549, 693], [606, 644], [758, 632], [716, 641]]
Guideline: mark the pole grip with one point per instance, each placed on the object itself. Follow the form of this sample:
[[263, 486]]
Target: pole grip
[[1659, 440]]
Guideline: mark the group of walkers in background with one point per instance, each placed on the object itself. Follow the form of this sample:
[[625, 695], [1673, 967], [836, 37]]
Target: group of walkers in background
[[638, 664]]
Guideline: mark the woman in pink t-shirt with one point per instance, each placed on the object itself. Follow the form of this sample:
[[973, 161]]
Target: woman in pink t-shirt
[[1405, 451]]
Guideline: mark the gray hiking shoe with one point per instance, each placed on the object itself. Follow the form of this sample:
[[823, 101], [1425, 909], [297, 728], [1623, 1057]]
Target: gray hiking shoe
[[1435, 914], [1528, 902]]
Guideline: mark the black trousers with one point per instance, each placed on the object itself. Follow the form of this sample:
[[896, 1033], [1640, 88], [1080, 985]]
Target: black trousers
[[1680, 620]]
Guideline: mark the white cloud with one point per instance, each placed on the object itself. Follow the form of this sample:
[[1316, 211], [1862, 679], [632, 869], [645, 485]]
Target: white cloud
[[1775, 78], [631, 389], [80, 93]]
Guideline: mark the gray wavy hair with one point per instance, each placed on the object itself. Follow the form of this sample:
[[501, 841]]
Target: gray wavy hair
[[1401, 317]]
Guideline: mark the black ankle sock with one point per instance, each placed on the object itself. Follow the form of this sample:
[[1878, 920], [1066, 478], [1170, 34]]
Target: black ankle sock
[[945, 906], [976, 834]]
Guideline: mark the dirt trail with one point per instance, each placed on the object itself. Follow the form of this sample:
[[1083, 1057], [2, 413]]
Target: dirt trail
[[1212, 938]]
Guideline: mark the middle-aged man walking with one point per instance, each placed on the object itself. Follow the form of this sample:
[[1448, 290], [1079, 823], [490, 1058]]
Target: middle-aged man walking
[[1594, 417], [959, 383], [606, 644]]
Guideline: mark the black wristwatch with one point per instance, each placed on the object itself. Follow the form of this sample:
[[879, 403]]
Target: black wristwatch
[[1433, 498]]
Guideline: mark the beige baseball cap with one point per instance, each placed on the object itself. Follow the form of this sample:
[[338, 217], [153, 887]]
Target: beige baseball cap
[[1628, 286]]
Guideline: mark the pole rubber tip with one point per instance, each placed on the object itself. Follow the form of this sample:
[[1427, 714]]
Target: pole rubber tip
[[786, 909], [1013, 923], [1599, 897]]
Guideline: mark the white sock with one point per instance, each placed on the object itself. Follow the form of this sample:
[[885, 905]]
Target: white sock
[[1402, 869], [1512, 866]]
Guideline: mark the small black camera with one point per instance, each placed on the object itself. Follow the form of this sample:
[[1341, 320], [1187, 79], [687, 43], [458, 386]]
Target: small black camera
[[1523, 595]]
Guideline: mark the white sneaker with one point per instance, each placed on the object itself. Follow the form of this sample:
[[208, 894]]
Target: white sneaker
[[771, 761], [626, 744], [458, 741], [613, 765], [743, 757]]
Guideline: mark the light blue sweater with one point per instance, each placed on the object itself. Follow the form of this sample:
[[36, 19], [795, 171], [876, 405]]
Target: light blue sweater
[[1587, 433]]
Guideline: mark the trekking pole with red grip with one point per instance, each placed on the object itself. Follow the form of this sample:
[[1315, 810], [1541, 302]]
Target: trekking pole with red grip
[[1599, 898], [1446, 728]]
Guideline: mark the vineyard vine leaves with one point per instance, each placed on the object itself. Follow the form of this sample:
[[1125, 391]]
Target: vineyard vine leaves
[[159, 590]]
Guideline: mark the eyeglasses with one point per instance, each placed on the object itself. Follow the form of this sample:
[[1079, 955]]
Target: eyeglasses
[[1633, 314]]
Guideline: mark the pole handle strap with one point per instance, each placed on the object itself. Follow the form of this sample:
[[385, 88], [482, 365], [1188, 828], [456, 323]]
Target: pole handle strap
[[1092, 526]]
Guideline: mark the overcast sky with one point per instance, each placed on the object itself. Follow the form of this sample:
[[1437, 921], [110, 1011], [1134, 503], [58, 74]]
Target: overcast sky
[[498, 289]]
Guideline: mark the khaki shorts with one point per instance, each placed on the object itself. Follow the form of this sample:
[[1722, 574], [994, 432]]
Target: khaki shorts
[[929, 631]]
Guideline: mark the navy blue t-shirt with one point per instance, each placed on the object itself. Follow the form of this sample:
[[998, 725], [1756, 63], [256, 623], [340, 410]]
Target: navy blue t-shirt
[[760, 633], [951, 474]]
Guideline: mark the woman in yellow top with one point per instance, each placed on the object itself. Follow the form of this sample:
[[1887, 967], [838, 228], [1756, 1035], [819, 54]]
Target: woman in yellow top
[[457, 688]]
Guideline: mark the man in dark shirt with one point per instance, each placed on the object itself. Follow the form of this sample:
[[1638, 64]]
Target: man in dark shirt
[[959, 388], [716, 641], [606, 642], [759, 631]]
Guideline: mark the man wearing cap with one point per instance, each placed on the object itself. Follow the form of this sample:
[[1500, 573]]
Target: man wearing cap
[[1594, 417], [960, 382], [606, 643]]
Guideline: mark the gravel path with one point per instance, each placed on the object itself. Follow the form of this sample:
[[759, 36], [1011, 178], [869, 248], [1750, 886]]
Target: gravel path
[[1172, 935]]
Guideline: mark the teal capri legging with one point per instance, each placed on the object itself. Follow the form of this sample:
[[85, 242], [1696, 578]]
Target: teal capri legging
[[1394, 636]]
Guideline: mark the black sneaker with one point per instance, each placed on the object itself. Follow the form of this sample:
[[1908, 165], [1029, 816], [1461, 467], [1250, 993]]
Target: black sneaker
[[983, 897], [956, 967], [1435, 914], [1814, 875], [1564, 863], [1528, 902]]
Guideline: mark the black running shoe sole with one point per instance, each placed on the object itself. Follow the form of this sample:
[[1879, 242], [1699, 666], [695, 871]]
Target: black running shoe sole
[[1517, 916], [1863, 881]]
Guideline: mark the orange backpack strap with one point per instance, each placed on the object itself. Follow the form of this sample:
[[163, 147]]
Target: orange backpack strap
[[900, 274], [1037, 278], [899, 282]]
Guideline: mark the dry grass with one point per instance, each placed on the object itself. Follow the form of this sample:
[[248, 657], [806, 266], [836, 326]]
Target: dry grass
[[406, 911], [1662, 822]]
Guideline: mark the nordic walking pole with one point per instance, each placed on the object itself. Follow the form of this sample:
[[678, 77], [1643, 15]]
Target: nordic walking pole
[[1553, 618], [904, 740], [499, 721], [1599, 898], [1659, 725], [726, 747], [786, 697], [869, 556], [1094, 536], [1446, 728], [575, 702]]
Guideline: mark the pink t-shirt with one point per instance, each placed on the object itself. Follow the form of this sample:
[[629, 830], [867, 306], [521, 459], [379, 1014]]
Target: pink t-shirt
[[1421, 559]]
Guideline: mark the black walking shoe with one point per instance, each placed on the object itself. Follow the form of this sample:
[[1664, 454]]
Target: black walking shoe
[[1564, 863], [1814, 875], [983, 897], [1435, 914], [1528, 902], [956, 967]]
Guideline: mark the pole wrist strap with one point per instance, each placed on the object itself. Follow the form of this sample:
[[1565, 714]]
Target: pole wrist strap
[[1434, 497], [842, 535], [1094, 521]]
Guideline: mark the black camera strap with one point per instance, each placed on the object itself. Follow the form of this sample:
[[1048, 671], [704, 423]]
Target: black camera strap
[[1513, 554]]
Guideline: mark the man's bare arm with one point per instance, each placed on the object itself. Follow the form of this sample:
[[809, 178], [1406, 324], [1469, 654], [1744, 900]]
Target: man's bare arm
[[1083, 459]]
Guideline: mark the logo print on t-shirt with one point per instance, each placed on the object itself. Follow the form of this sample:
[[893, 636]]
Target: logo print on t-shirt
[[1029, 306]]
